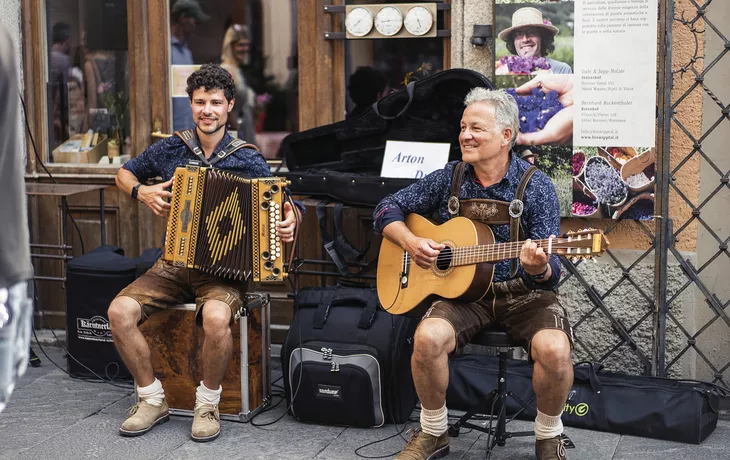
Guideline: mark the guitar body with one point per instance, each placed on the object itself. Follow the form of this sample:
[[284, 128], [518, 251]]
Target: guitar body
[[467, 283]]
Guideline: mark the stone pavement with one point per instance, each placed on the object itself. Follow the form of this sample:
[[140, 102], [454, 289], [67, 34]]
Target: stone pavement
[[52, 416]]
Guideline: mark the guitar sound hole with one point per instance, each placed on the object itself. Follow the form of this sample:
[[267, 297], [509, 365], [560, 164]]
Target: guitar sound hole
[[443, 261]]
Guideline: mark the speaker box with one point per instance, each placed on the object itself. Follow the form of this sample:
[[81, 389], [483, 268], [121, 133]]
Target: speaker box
[[92, 282]]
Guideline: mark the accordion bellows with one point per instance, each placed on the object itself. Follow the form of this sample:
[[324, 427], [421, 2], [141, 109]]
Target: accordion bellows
[[225, 224]]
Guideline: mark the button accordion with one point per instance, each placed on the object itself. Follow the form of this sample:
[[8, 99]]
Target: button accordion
[[225, 224]]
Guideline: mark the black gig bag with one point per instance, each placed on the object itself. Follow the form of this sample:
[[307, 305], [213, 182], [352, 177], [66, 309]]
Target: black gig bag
[[675, 410], [346, 361], [343, 160]]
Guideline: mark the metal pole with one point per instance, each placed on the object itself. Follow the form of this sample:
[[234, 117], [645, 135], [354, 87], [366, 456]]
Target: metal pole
[[101, 212], [664, 230]]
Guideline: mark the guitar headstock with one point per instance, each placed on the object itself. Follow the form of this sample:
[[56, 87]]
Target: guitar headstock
[[582, 244]]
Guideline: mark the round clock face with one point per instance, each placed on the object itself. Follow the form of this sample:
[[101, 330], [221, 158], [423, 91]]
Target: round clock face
[[359, 22], [418, 20], [389, 21]]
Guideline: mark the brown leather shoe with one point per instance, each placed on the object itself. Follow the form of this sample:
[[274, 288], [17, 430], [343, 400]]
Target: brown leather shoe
[[206, 423], [423, 446], [144, 417], [550, 449]]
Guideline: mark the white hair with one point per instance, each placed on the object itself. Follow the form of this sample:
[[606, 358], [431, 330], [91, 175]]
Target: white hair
[[505, 107]]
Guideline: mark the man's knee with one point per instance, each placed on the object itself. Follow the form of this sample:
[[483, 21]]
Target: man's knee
[[551, 349], [216, 317], [124, 312], [434, 337]]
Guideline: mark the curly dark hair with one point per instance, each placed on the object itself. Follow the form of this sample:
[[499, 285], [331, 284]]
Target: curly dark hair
[[210, 77], [547, 43]]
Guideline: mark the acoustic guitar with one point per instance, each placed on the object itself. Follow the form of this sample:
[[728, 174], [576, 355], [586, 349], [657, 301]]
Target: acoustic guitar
[[464, 269]]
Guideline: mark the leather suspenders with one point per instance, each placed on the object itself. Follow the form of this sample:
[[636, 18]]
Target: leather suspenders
[[188, 136]]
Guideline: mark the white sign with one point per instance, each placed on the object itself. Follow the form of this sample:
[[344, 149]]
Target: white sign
[[179, 79], [413, 160], [615, 78]]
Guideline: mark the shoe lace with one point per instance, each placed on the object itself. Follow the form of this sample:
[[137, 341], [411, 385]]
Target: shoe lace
[[133, 410], [413, 432], [209, 413]]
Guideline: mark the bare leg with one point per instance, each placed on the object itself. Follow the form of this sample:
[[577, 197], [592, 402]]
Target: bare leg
[[434, 340], [124, 314], [218, 343], [553, 373]]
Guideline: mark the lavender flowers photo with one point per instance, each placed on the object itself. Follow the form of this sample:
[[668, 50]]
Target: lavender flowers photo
[[536, 109], [605, 182]]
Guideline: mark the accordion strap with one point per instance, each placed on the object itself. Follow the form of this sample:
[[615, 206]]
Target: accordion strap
[[188, 136], [298, 216]]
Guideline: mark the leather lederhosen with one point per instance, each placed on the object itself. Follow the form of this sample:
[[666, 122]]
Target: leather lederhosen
[[491, 212]]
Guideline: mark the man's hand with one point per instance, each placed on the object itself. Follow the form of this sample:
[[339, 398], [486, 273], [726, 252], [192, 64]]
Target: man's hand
[[423, 251], [155, 197], [561, 83], [285, 228], [533, 259], [559, 129]]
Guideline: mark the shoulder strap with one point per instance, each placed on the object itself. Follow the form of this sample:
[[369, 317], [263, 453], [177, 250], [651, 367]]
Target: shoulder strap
[[188, 136], [456, 177], [515, 212]]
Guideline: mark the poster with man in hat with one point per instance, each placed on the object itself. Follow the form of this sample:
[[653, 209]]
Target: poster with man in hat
[[530, 40]]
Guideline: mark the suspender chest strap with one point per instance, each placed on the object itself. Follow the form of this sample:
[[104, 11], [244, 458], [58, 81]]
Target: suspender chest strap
[[188, 136], [515, 213]]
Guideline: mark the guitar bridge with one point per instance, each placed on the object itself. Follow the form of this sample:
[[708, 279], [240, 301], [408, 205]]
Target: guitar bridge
[[406, 270]]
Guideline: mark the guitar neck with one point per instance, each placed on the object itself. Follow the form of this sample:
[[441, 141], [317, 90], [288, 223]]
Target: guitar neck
[[469, 255]]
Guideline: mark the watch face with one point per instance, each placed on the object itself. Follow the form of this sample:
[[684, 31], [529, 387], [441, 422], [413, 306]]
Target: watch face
[[418, 20], [389, 21], [359, 22]]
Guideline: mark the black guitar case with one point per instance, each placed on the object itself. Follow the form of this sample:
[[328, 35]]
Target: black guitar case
[[342, 161]]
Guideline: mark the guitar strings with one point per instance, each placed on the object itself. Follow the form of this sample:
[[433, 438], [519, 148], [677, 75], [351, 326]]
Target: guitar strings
[[497, 248]]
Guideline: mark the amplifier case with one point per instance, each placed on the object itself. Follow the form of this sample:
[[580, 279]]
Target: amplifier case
[[176, 345]]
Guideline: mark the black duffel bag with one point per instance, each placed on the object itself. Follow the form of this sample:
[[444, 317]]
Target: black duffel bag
[[676, 410], [346, 361]]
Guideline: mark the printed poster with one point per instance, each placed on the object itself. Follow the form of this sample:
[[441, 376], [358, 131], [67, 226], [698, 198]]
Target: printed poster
[[587, 106]]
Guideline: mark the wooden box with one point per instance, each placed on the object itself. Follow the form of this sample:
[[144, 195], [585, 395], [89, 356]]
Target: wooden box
[[176, 344], [91, 156]]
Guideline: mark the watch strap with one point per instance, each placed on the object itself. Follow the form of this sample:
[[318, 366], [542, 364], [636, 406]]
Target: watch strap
[[135, 190], [539, 276]]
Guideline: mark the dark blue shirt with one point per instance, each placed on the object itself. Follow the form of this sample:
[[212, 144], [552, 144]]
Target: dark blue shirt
[[540, 218], [161, 159]]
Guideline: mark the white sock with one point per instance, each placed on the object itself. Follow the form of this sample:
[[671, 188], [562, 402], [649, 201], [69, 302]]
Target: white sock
[[152, 393], [435, 422], [548, 426], [205, 395]]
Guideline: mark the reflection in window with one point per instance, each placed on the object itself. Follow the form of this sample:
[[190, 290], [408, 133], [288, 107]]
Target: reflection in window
[[255, 41], [88, 81], [375, 67]]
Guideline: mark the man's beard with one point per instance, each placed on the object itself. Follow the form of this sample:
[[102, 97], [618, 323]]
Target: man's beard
[[208, 130]]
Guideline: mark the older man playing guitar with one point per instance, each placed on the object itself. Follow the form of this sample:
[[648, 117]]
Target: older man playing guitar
[[493, 186]]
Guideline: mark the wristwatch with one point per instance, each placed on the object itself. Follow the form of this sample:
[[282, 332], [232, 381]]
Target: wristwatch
[[135, 190], [539, 276]]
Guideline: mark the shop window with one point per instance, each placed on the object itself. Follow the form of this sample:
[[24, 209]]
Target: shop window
[[375, 67], [256, 41], [87, 82]]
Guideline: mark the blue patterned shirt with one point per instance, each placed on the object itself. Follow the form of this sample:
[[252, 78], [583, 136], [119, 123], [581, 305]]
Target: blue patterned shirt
[[161, 159], [540, 218]]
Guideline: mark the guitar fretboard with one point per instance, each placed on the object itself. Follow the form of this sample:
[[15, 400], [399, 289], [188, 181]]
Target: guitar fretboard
[[469, 255]]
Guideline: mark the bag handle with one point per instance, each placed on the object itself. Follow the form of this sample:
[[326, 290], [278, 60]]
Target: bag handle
[[330, 299], [597, 387], [410, 89]]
